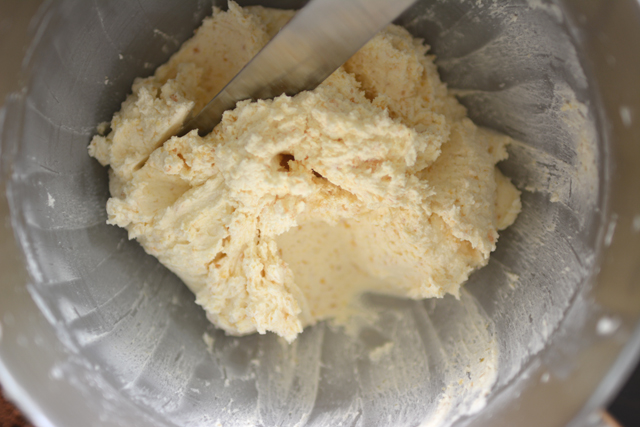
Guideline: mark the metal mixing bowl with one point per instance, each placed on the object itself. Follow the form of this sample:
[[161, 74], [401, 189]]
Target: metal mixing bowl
[[95, 332]]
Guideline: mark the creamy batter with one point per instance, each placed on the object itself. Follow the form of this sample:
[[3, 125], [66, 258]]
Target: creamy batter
[[293, 207]]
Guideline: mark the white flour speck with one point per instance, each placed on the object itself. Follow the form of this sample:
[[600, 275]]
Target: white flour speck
[[626, 115], [607, 325]]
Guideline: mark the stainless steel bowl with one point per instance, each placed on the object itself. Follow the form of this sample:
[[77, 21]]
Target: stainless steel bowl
[[95, 332]]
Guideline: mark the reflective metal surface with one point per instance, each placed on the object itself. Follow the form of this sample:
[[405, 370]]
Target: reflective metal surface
[[114, 339], [318, 40]]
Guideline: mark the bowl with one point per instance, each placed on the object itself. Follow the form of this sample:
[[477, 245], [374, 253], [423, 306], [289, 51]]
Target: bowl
[[93, 331]]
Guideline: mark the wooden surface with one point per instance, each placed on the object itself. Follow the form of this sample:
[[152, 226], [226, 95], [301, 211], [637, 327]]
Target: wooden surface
[[10, 416]]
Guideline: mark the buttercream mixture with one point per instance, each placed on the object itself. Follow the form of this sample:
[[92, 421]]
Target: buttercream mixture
[[293, 207]]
